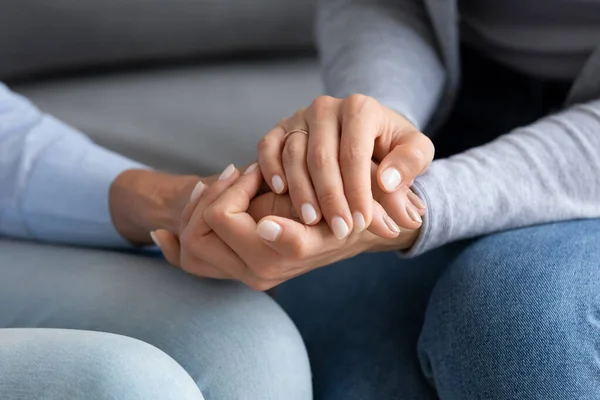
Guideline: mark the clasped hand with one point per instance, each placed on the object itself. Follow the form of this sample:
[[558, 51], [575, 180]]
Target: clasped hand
[[228, 230]]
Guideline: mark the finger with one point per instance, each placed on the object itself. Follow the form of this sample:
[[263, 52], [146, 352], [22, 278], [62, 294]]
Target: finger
[[196, 225], [218, 261], [417, 202], [300, 187], [359, 131], [294, 240], [169, 246], [399, 208], [228, 218], [188, 210], [382, 224], [269, 150], [171, 249], [272, 204], [406, 160], [323, 165]]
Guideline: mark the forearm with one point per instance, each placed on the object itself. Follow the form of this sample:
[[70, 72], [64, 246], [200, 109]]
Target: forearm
[[58, 186], [546, 172], [383, 49]]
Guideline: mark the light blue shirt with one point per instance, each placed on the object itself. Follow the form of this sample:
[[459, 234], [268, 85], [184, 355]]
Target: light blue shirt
[[54, 181]]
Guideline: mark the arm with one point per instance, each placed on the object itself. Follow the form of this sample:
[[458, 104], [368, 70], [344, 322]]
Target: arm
[[384, 49], [546, 172], [55, 183]]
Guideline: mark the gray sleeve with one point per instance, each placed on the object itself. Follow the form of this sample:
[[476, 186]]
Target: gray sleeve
[[546, 172], [384, 49]]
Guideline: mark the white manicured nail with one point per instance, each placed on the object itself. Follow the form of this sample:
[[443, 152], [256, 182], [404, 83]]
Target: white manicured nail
[[197, 192], [268, 230], [359, 222], [155, 239], [278, 184], [309, 214], [340, 228], [391, 178], [227, 172], [251, 168], [392, 226]]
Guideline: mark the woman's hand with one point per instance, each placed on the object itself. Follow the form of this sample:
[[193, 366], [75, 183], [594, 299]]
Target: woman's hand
[[323, 156], [220, 237]]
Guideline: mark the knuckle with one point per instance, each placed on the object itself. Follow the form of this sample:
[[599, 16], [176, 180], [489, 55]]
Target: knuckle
[[359, 103], [296, 188], [294, 150], [417, 155], [321, 106], [320, 158], [267, 143], [328, 200], [299, 114], [356, 193], [214, 214], [352, 155], [298, 249]]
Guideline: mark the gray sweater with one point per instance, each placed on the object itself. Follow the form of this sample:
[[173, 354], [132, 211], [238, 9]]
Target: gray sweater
[[405, 54]]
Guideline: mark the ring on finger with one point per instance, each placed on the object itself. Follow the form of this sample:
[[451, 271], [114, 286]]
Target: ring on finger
[[288, 134]]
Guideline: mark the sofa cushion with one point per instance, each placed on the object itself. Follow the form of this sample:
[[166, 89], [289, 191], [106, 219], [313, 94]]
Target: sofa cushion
[[187, 119]]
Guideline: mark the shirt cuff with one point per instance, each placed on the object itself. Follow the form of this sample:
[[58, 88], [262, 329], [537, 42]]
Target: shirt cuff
[[67, 196]]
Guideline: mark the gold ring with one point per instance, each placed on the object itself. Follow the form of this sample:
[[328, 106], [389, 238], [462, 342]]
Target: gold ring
[[285, 137]]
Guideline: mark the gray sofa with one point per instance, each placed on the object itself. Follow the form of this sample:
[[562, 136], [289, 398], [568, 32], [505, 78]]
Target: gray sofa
[[165, 83]]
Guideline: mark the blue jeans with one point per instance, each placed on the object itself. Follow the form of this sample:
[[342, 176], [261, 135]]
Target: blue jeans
[[515, 315], [85, 324]]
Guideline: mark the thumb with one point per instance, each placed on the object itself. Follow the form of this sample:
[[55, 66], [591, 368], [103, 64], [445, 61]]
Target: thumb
[[169, 245], [294, 239], [409, 157]]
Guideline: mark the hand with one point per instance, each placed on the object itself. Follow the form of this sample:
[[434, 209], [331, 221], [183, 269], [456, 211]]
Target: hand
[[141, 201], [328, 171], [220, 239]]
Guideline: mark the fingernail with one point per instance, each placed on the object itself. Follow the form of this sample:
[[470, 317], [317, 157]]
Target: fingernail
[[251, 168], [359, 222], [309, 214], [413, 214], [416, 200], [268, 230], [277, 183], [392, 226], [227, 172], [391, 178], [340, 228], [197, 192], [155, 239]]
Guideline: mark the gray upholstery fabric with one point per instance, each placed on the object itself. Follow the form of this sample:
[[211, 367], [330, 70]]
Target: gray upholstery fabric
[[190, 119], [41, 35]]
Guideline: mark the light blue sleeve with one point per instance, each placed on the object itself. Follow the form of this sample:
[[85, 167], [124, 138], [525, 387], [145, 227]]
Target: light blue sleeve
[[54, 181]]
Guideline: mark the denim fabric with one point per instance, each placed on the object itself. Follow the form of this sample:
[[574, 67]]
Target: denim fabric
[[232, 342], [514, 315], [48, 364]]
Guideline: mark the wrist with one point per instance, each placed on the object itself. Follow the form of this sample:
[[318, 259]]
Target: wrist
[[142, 201]]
